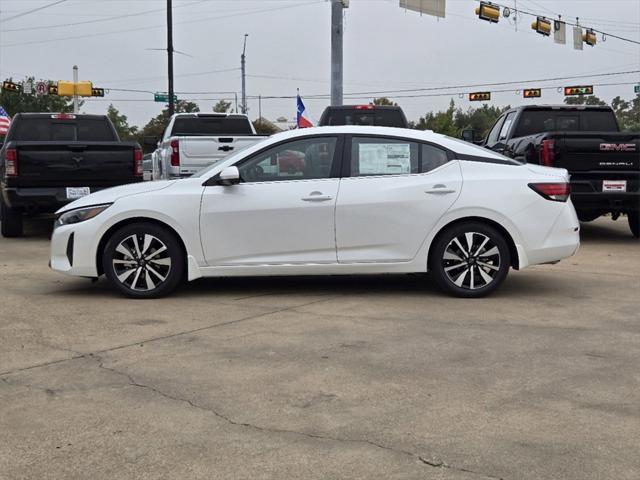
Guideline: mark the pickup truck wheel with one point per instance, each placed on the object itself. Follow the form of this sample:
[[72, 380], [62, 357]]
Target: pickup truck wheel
[[634, 223], [10, 221], [470, 260], [143, 260]]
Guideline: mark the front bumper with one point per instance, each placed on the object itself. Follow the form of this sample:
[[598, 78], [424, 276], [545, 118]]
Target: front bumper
[[72, 250]]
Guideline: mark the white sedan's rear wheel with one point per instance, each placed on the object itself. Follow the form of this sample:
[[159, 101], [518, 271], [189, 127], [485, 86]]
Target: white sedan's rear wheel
[[143, 260], [470, 260]]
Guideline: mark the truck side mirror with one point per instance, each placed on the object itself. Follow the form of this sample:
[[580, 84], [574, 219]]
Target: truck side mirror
[[150, 141], [468, 135]]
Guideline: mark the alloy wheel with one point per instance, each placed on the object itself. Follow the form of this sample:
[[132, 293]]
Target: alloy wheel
[[471, 260], [141, 262]]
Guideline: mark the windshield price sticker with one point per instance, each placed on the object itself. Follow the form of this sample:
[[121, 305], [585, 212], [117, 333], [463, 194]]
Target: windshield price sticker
[[384, 158]]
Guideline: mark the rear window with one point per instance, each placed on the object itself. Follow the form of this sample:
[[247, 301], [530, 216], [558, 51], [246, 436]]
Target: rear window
[[53, 130], [374, 117], [195, 126], [538, 121]]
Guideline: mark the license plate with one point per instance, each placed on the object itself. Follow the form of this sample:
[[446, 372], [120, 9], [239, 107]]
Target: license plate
[[614, 185], [77, 192]]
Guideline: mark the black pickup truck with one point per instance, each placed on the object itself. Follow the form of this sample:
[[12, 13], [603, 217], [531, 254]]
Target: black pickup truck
[[604, 163], [371, 115], [50, 159]]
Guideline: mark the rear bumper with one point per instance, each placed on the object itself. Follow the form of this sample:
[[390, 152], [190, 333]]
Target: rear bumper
[[562, 241], [607, 202]]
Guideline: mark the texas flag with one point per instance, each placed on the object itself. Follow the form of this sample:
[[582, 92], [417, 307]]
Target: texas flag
[[302, 118]]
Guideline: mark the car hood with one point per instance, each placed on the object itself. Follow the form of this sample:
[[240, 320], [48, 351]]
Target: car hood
[[110, 195]]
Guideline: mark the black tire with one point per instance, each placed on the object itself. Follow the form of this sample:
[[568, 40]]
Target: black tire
[[133, 274], [10, 221], [634, 223], [488, 262]]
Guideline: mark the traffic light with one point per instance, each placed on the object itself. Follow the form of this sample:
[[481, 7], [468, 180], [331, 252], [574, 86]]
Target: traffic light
[[97, 92], [480, 96], [542, 26], [489, 12], [532, 93], [11, 87], [579, 90], [53, 90], [589, 37]]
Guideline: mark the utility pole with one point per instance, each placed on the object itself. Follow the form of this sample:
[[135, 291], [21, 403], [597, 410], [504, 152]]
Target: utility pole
[[337, 7], [244, 74], [170, 55], [75, 89]]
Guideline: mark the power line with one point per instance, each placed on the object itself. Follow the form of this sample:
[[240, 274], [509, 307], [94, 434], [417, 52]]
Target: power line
[[32, 11], [572, 24], [116, 17], [153, 27]]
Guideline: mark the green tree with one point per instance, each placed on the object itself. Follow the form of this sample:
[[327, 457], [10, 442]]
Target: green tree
[[222, 106], [383, 101], [264, 127], [628, 113], [19, 102], [440, 122], [479, 119], [584, 100], [121, 124]]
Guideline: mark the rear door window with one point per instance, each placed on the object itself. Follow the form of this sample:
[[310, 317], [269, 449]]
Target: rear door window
[[53, 130], [370, 117], [383, 156], [207, 126]]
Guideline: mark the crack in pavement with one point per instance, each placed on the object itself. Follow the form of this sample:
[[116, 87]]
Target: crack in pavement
[[432, 463], [162, 337]]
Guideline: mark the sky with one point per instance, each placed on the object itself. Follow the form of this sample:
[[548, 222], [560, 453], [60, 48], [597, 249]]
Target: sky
[[118, 45]]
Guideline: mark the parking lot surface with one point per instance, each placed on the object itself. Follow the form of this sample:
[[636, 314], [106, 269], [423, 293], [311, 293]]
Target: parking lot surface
[[320, 378]]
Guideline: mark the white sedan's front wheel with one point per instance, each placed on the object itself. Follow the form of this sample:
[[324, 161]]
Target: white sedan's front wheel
[[470, 260], [143, 260]]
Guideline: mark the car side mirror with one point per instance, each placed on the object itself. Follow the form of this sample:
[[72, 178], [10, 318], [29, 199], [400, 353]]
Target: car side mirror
[[229, 176], [150, 141], [468, 135]]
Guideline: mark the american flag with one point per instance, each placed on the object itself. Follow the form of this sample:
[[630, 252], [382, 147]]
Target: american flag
[[5, 121]]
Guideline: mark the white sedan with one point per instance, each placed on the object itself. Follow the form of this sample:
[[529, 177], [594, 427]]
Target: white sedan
[[326, 201]]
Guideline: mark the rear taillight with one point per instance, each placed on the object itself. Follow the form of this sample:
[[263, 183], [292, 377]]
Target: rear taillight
[[558, 192], [175, 153], [11, 162], [547, 153], [137, 162]]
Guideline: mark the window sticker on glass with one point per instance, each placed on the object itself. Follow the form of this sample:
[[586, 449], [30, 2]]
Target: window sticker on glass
[[384, 158]]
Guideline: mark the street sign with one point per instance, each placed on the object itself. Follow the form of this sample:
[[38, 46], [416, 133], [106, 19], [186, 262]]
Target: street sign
[[42, 88], [636, 89], [163, 97], [27, 87]]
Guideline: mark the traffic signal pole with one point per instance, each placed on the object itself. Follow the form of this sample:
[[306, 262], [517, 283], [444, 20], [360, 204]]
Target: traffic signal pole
[[76, 106], [170, 55], [337, 7]]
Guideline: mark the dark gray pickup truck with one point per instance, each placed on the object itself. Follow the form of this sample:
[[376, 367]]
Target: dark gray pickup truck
[[604, 163], [50, 159]]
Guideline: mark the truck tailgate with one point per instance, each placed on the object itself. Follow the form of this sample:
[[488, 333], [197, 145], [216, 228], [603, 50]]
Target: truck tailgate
[[588, 151], [74, 164], [199, 152]]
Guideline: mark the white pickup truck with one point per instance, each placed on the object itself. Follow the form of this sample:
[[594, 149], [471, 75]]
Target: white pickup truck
[[193, 141]]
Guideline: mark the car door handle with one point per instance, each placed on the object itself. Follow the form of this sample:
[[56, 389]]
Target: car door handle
[[439, 190], [317, 197]]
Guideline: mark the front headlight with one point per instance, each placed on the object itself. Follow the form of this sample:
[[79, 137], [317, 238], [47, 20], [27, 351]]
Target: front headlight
[[80, 214]]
